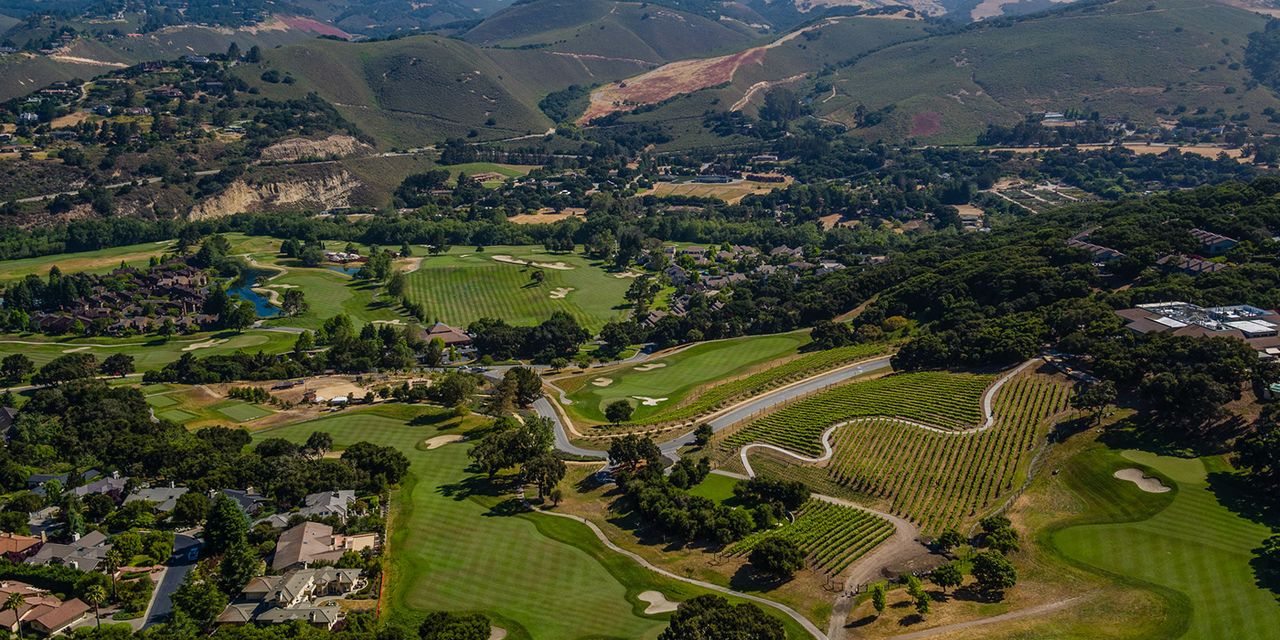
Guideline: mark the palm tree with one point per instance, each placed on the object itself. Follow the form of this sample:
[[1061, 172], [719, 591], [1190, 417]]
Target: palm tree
[[95, 596], [111, 562], [15, 602]]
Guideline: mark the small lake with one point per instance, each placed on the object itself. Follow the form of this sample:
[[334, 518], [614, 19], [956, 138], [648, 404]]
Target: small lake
[[243, 288], [351, 271]]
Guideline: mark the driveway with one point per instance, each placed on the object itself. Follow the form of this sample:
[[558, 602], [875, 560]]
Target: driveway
[[185, 552]]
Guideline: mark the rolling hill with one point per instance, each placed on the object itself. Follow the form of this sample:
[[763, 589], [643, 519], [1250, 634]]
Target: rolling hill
[[417, 90], [647, 32]]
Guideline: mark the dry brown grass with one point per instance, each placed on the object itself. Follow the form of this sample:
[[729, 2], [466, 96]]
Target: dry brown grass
[[548, 216], [731, 193]]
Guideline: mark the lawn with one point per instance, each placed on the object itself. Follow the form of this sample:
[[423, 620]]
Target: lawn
[[100, 261], [715, 487], [463, 286], [176, 415], [149, 352], [1195, 548], [455, 546], [677, 376], [242, 411], [330, 293]]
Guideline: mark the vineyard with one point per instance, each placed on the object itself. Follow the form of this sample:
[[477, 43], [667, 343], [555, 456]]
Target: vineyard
[[945, 400], [831, 536], [942, 480], [755, 384]]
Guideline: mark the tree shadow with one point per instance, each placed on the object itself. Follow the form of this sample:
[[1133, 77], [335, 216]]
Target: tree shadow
[[973, 594], [428, 419], [861, 622], [509, 507], [1139, 432], [1241, 494], [747, 579], [911, 619]]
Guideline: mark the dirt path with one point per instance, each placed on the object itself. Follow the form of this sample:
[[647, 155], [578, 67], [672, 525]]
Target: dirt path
[[792, 613], [1004, 617], [987, 411], [904, 545]]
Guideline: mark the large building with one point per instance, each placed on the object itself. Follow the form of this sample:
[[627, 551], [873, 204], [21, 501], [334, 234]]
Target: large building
[[1258, 327]]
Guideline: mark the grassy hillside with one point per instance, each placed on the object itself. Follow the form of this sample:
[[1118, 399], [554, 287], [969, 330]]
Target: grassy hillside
[[611, 29], [1128, 57], [416, 91]]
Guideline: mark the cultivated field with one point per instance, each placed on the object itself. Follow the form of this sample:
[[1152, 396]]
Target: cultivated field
[[731, 193], [456, 545], [463, 286], [831, 536]]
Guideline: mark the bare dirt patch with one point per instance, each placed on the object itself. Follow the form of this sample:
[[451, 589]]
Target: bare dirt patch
[[558, 266], [1142, 480], [926, 123], [548, 216], [409, 265], [658, 603], [295, 149], [440, 441]]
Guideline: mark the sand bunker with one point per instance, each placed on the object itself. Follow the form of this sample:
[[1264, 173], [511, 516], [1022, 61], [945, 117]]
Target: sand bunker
[[558, 266], [329, 389], [658, 603], [75, 349], [204, 345], [1144, 481], [281, 286], [649, 402], [602, 382], [397, 321], [272, 295], [440, 441], [559, 294], [497, 633], [627, 274], [651, 366]]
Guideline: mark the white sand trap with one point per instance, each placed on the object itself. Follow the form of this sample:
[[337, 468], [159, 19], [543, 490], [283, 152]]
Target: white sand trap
[[651, 366], [627, 274], [440, 441], [649, 402], [204, 345], [497, 633], [397, 322], [1144, 481], [281, 286], [560, 293], [602, 382], [75, 349], [658, 603], [558, 266]]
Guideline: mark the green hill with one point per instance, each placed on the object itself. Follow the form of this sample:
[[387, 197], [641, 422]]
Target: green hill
[[647, 32], [415, 91], [1125, 58]]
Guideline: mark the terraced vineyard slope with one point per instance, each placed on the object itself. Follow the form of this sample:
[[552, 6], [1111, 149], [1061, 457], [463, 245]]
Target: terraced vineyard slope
[[831, 536], [948, 401]]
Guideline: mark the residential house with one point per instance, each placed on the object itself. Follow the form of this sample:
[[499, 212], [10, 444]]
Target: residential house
[[162, 499], [40, 610], [16, 548], [112, 486], [1214, 244], [311, 542], [317, 505], [251, 502], [450, 336], [8, 418], [85, 553], [1190, 264]]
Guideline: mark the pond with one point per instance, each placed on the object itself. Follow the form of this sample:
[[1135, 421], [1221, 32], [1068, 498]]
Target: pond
[[243, 288], [351, 271]]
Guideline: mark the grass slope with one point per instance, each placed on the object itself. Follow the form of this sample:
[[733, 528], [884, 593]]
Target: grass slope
[[605, 28], [455, 547], [1127, 57], [1194, 547], [463, 286]]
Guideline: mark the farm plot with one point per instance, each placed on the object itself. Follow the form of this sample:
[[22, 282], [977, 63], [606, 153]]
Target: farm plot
[[941, 480], [950, 401], [831, 536]]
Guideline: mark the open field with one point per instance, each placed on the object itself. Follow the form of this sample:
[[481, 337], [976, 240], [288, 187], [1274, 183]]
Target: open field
[[1195, 547], [731, 193], [463, 286], [198, 406], [675, 376], [457, 545], [100, 261]]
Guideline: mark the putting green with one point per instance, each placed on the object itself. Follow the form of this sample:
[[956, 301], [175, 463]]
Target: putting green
[[176, 415], [242, 412], [674, 377], [1195, 547], [160, 402]]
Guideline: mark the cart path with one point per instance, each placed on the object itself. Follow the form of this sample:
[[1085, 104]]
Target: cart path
[[1049, 607]]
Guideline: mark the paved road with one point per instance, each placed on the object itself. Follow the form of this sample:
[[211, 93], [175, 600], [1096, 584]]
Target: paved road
[[725, 418], [184, 549]]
